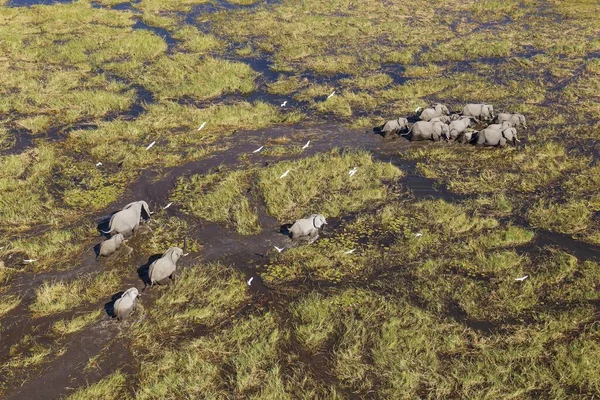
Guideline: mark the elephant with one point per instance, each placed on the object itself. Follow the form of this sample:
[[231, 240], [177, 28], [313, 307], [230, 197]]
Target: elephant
[[394, 127], [497, 137], [111, 245], [442, 118], [126, 303], [480, 111], [459, 126], [517, 120], [308, 227], [426, 130], [163, 268], [435, 110], [127, 220], [503, 125]]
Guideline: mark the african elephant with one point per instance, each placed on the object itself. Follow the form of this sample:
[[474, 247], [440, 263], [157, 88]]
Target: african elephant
[[497, 137], [127, 220], [163, 268], [111, 245], [503, 125], [480, 111], [425, 130], [435, 110], [459, 126], [308, 226], [394, 127], [126, 303], [517, 120], [443, 119]]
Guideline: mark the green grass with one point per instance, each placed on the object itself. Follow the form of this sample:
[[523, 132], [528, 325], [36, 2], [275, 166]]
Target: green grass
[[60, 296], [322, 184], [220, 199], [110, 388], [9, 302], [65, 327]]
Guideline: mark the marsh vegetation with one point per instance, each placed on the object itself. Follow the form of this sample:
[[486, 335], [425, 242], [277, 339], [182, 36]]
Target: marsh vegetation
[[410, 291]]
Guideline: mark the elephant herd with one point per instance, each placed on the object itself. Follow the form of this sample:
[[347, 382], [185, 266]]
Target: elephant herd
[[436, 123], [125, 223]]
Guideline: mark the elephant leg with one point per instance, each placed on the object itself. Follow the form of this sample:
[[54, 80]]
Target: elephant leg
[[502, 142], [435, 137]]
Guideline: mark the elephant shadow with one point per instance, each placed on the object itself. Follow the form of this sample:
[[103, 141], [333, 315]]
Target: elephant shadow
[[97, 250], [104, 225], [143, 271], [109, 307], [285, 229]]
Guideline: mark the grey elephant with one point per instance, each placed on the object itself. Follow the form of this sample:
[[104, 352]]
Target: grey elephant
[[435, 110], [503, 125], [458, 127], [394, 127], [497, 137], [443, 118], [483, 112], [426, 130], [125, 305], [163, 268], [308, 227], [517, 120], [111, 245], [127, 220]]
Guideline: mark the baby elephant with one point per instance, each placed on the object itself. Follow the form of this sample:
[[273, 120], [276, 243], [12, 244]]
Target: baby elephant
[[111, 245], [163, 268], [517, 120], [425, 130], [308, 227], [458, 127], [394, 127], [436, 110], [125, 305]]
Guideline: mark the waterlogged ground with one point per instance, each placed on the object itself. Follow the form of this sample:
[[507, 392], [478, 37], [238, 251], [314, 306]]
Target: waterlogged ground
[[427, 304]]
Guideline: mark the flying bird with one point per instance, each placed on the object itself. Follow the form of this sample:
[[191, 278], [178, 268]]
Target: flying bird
[[150, 145], [167, 206], [418, 234], [284, 103], [98, 164], [284, 174], [306, 145], [29, 261], [259, 149], [249, 282], [279, 250], [521, 279], [332, 93], [350, 251], [353, 171], [201, 126]]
